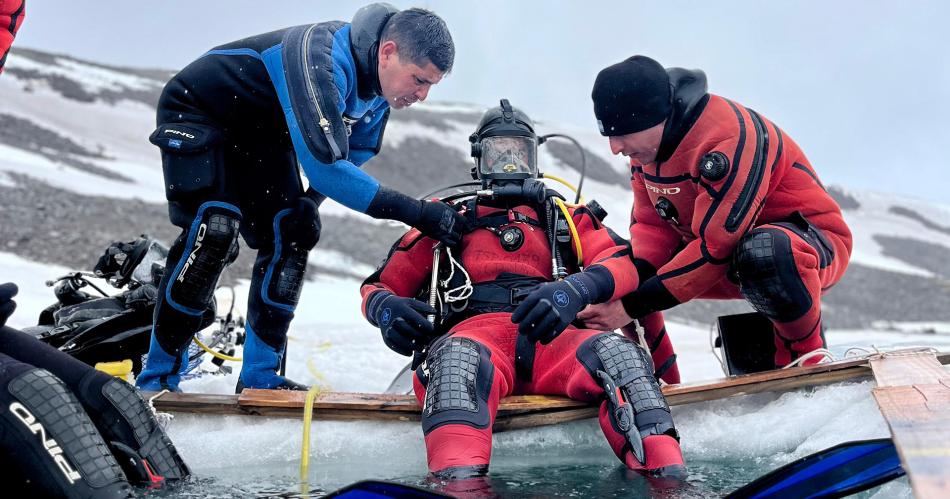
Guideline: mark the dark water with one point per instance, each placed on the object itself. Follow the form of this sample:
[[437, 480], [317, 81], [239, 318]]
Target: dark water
[[510, 477]]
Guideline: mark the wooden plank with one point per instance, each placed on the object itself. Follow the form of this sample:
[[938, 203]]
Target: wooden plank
[[507, 422], [770, 381], [202, 403], [906, 370], [388, 402], [919, 418], [518, 411], [329, 400], [518, 404], [779, 380], [913, 395], [331, 414], [377, 406]]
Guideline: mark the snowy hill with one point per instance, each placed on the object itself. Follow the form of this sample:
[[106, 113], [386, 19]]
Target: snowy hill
[[77, 171]]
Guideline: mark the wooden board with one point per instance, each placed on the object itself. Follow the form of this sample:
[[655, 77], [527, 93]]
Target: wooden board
[[519, 411], [907, 370], [913, 394]]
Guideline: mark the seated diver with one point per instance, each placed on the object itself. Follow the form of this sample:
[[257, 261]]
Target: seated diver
[[513, 333], [68, 430]]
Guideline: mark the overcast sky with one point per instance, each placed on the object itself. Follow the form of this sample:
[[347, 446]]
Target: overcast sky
[[862, 86]]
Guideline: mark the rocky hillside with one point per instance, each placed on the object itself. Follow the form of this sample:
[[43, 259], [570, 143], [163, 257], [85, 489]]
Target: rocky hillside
[[77, 171]]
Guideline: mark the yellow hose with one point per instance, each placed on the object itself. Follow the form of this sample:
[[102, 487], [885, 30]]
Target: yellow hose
[[216, 354], [565, 183], [574, 236], [305, 446]]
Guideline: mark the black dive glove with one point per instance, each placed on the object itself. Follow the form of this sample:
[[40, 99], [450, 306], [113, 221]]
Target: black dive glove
[[7, 305], [442, 222], [552, 306], [402, 321], [433, 218]]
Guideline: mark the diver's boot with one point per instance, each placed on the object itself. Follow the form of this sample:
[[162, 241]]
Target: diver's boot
[[129, 426], [286, 384], [259, 368], [789, 350], [162, 370], [634, 415], [460, 472], [663, 457], [464, 482], [48, 445]]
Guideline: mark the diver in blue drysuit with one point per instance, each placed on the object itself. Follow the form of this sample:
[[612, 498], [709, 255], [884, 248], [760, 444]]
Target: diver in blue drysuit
[[233, 127]]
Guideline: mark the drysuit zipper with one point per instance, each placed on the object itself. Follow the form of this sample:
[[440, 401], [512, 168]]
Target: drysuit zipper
[[324, 122], [747, 194]]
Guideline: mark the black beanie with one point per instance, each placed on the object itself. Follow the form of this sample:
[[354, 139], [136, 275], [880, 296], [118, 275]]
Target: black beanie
[[631, 96]]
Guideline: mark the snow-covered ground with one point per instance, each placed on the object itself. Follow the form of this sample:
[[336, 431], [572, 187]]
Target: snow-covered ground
[[331, 345]]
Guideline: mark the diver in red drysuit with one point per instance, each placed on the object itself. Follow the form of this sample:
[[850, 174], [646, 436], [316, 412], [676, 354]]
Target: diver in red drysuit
[[726, 205], [513, 334]]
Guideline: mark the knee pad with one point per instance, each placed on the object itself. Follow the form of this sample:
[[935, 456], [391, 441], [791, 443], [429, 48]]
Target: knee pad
[[296, 231], [290, 279], [127, 423], [61, 452], [636, 405], [768, 276], [210, 245], [285, 277], [458, 383]]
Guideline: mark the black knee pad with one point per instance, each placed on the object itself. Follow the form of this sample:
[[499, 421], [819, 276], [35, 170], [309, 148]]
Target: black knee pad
[[210, 245], [628, 366], [458, 379], [299, 231], [129, 427], [286, 285], [59, 452], [768, 277]]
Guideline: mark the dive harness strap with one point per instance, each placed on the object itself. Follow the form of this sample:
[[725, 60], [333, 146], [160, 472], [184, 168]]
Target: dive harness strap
[[504, 295], [501, 295], [504, 218]]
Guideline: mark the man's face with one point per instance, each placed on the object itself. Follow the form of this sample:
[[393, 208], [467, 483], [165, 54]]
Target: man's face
[[508, 155], [639, 146], [403, 82]]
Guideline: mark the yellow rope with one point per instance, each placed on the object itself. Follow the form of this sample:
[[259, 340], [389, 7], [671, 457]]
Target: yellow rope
[[312, 367], [305, 445], [565, 183], [574, 236], [216, 354]]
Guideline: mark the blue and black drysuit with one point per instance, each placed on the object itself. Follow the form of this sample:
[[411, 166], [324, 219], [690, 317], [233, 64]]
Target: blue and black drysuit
[[233, 126]]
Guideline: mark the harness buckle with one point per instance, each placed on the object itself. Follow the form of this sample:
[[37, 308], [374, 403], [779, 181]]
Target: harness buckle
[[518, 295]]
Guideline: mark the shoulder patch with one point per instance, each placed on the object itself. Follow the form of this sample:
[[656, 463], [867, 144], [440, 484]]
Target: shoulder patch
[[713, 166]]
